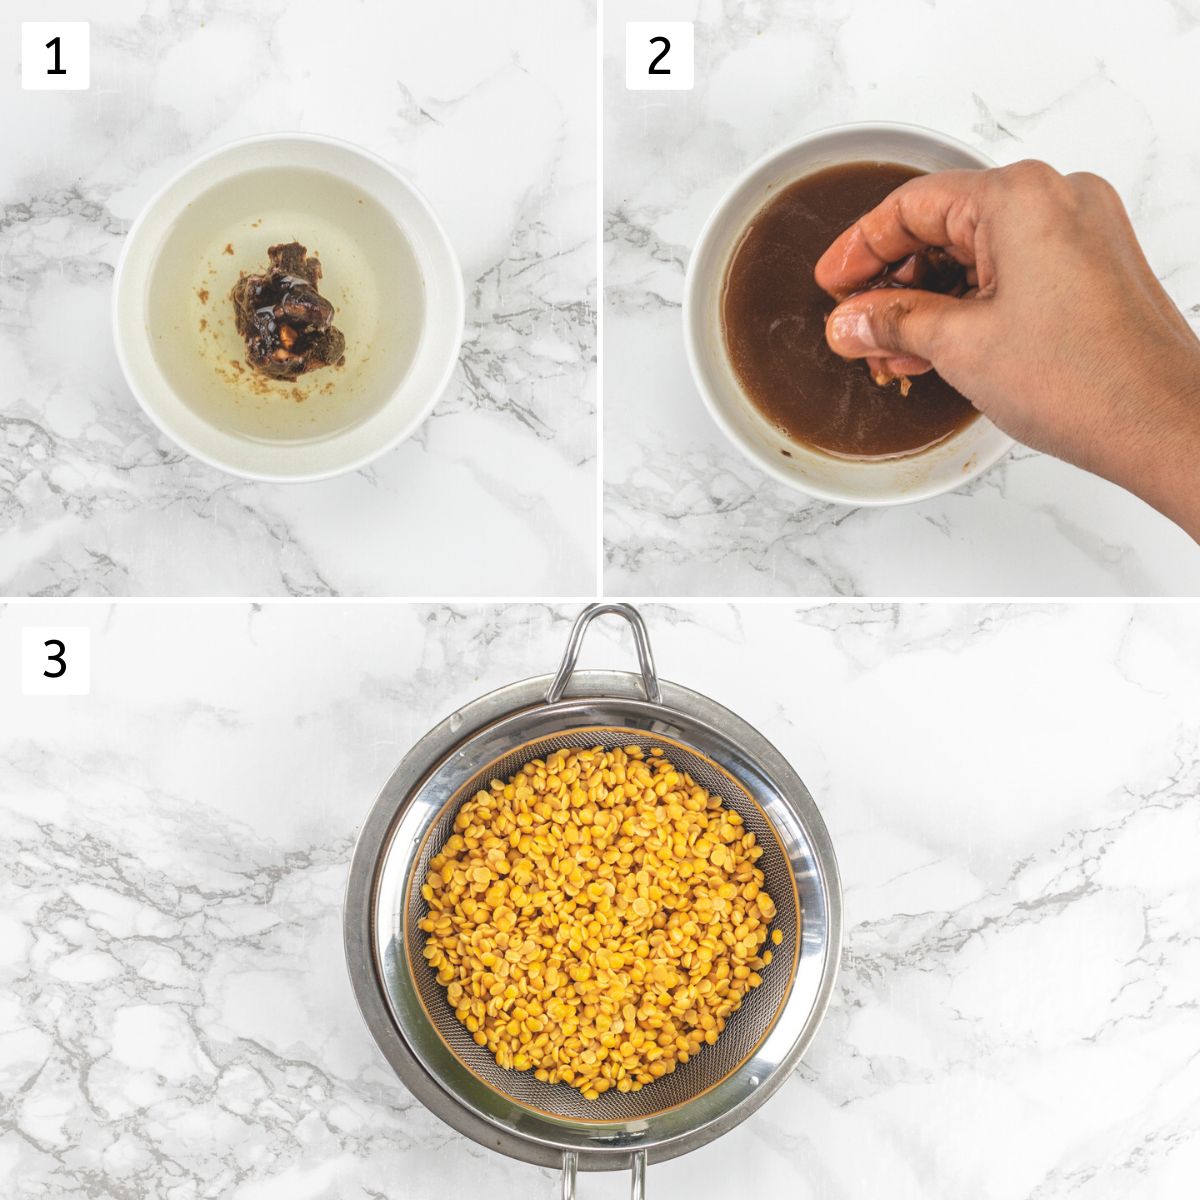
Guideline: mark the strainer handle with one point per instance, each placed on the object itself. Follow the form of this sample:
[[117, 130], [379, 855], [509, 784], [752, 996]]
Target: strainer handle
[[640, 640], [570, 1170]]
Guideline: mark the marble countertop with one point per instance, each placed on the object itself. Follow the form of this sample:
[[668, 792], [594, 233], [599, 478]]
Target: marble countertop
[[490, 108], [1016, 1016], [1100, 87]]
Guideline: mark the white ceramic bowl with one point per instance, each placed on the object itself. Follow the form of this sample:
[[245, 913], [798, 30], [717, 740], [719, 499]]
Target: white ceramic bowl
[[388, 267], [950, 464]]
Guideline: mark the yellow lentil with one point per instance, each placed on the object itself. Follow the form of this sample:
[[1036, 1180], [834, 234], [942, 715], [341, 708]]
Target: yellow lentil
[[597, 918]]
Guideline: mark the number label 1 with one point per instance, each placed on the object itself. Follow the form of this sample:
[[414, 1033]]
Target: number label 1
[[55, 44], [659, 56], [56, 660], [56, 56]]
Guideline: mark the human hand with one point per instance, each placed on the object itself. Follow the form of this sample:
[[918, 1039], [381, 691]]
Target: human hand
[[1066, 339]]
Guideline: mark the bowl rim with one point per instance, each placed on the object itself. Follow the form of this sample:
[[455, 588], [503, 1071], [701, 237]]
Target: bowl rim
[[704, 241], [444, 245]]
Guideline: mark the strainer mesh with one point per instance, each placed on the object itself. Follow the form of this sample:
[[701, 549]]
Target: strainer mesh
[[745, 1029]]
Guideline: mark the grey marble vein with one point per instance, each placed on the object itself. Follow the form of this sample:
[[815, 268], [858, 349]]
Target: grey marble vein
[[496, 493], [685, 513], [1013, 792]]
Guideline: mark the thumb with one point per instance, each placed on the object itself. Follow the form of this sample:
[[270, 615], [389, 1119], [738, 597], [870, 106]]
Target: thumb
[[895, 322]]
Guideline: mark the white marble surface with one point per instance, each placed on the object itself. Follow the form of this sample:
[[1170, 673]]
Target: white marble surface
[[489, 106], [1013, 795], [1103, 85]]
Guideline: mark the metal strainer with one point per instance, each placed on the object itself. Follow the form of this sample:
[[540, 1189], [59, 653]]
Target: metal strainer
[[493, 737]]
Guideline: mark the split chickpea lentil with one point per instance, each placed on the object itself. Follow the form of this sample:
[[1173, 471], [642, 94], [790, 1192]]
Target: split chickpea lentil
[[597, 918]]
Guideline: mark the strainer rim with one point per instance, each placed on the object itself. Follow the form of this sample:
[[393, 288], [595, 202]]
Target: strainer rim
[[457, 798], [422, 759]]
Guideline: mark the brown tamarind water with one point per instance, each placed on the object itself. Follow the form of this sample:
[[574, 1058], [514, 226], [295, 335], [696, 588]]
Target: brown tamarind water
[[774, 315]]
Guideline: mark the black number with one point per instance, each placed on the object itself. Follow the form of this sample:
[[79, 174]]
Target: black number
[[53, 44], [666, 46], [60, 657]]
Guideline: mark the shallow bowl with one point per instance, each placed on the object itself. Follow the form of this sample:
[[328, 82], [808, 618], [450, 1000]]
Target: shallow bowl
[[951, 463], [387, 266]]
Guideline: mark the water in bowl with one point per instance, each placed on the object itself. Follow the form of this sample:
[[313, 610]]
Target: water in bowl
[[369, 272], [773, 322]]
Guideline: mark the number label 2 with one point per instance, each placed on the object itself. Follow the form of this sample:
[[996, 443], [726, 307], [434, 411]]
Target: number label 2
[[655, 69], [660, 56]]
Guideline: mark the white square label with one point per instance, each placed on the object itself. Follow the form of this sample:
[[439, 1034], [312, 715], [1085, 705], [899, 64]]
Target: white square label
[[659, 56], [56, 56], [56, 660]]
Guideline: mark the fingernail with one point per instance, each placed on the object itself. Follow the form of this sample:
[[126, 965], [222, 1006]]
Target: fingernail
[[849, 334]]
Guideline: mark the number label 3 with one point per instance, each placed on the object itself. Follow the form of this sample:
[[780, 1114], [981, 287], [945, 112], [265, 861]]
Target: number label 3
[[56, 56], [56, 660], [659, 56]]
